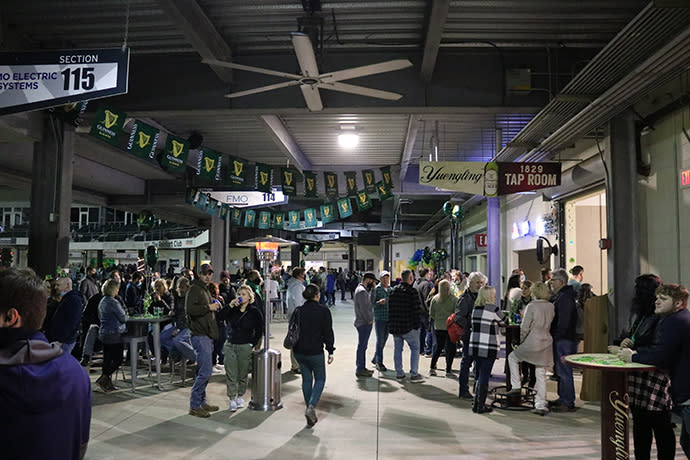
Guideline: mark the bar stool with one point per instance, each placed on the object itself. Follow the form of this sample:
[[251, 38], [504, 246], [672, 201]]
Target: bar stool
[[133, 343], [183, 369]]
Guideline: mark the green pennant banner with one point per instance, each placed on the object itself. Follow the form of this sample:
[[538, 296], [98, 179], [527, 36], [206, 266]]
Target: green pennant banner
[[327, 213], [387, 179], [369, 185], [293, 220], [237, 172], [331, 181], [288, 178], [201, 201], [344, 208], [363, 200], [264, 220], [236, 216], [209, 164], [278, 220], [264, 177], [351, 182], [143, 140], [174, 157], [212, 207], [384, 192], [249, 218], [190, 195], [310, 184], [223, 211], [310, 218], [107, 125]]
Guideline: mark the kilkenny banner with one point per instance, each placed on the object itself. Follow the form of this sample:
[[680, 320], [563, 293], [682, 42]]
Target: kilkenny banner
[[143, 140], [387, 179], [384, 192], [264, 220], [237, 172], [344, 208], [209, 164], [264, 177], [363, 200], [190, 195], [309, 184], [278, 220], [351, 182], [288, 177], [327, 213], [293, 220], [249, 218], [174, 157], [331, 181], [310, 218], [223, 210], [212, 207], [107, 125], [369, 184], [236, 216]]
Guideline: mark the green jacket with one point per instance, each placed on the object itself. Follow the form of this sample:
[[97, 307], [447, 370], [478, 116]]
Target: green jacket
[[440, 310], [202, 321]]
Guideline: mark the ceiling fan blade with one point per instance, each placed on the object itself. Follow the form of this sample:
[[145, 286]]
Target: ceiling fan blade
[[261, 89], [305, 54], [312, 97], [372, 69], [248, 68], [361, 90]]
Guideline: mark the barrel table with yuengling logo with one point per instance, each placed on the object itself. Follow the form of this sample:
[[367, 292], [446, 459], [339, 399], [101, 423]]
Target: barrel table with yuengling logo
[[614, 399]]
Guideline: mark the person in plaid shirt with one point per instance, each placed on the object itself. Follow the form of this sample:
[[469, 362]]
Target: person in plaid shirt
[[650, 397], [484, 343]]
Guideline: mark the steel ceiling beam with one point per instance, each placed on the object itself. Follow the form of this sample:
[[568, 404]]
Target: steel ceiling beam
[[434, 32], [410, 139], [201, 33], [284, 140]]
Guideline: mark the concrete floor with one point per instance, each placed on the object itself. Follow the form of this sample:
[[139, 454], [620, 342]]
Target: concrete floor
[[373, 418]]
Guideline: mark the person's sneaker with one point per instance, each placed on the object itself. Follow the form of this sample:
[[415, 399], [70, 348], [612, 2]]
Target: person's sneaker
[[450, 375], [428, 355], [432, 371], [400, 378], [364, 373], [209, 408], [466, 395], [85, 361], [233, 405], [381, 368], [554, 378], [373, 361], [200, 412], [296, 371], [541, 412], [240, 402], [554, 403], [310, 415], [416, 378], [563, 408]]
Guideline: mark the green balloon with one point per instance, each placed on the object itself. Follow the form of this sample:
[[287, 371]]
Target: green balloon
[[458, 212], [448, 208]]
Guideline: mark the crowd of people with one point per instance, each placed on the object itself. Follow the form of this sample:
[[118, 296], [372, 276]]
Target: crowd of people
[[216, 327]]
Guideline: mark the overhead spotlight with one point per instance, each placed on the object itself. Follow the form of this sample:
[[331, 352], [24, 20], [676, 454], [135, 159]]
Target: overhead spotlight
[[348, 138]]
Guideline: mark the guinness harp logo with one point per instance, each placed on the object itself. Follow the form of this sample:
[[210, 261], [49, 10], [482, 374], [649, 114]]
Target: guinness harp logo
[[236, 213], [294, 218], [362, 197], [382, 189], [209, 164], [310, 215], [177, 148], [344, 206], [237, 166], [310, 183], [279, 220], [288, 177], [143, 139], [110, 119], [387, 178], [326, 211], [250, 218], [264, 218], [263, 177], [369, 178], [351, 183], [331, 180]]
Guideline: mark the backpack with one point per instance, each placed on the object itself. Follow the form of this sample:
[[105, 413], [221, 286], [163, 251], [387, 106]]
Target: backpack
[[579, 321], [454, 329]]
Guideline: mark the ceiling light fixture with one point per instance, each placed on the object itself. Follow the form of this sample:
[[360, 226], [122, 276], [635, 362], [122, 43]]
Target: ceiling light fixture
[[348, 138]]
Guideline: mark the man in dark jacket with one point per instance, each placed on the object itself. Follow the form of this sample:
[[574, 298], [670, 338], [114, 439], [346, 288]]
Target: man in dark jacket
[[564, 338], [64, 325], [404, 309], [463, 316], [426, 337], [134, 295], [45, 395], [200, 308]]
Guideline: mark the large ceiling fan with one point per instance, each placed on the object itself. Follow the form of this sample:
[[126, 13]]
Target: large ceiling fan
[[311, 80]]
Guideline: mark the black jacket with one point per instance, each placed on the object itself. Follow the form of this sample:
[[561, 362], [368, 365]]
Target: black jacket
[[404, 308], [242, 326], [316, 329], [423, 287], [565, 321], [463, 313]]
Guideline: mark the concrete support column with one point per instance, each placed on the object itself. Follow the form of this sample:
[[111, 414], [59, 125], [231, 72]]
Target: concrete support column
[[621, 219], [218, 245], [99, 258], [51, 197], [493, 213], [187, 258], [351, 257], [388, 255], [294, 256]]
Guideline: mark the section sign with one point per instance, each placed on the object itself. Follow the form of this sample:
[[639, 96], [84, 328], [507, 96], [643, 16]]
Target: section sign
[[36, 80]]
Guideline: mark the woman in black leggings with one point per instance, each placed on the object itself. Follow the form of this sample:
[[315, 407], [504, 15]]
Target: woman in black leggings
[[113, 318]]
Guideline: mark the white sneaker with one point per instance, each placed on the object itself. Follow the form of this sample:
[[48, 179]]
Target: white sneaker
[[233, 405], [219, 368], [240, 402]]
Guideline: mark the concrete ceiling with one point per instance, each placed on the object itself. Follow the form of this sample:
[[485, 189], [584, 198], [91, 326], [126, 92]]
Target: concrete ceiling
[[455, 95]]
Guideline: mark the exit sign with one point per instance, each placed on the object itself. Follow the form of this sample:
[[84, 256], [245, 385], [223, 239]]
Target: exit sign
[[685, 178]]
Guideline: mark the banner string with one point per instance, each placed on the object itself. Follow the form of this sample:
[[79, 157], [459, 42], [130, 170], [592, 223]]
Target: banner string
[[126, 36]]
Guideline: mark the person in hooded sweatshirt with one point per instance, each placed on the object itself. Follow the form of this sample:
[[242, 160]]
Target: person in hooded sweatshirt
[[45, 394]]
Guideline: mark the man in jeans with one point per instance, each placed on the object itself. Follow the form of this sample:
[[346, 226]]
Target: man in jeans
[[564, 338], [403, 322], [364, 320], [383, 290], [200, 308], [463, 316]]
